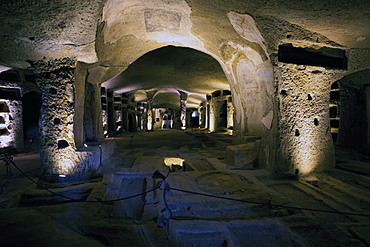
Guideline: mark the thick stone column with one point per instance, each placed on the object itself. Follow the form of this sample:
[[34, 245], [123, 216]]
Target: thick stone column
[[149, 114], [134, 119], [230, 112], [202, 114], [58, 155], [209, 97], [149, 110], [110, 114], [96, 113], [183, 98], [125, 108], [140, 116], [306, 145], [212, 114], [80, 80]]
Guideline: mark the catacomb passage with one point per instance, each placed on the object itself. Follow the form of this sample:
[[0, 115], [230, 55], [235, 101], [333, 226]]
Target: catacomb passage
[[184, 123]]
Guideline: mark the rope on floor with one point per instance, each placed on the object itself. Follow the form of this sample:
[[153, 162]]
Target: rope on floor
[[157, 175], [269, 204]]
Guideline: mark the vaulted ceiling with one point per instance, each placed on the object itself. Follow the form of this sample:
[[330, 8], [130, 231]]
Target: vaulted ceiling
[[33, 30], [169, 70]]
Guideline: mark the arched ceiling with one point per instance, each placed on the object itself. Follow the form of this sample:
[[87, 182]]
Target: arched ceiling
[[171, 69], [49, 29]]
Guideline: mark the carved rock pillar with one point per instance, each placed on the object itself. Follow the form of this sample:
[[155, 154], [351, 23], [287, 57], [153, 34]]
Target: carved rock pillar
[[149, 110], [183, 98], [58, 155]]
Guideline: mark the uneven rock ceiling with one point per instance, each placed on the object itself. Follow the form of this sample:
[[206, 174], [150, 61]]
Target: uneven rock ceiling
[[47, 29]]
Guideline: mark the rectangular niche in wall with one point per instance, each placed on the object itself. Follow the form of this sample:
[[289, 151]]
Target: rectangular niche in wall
[[10, 93], [4, 107], [312, 55], [4, 132]]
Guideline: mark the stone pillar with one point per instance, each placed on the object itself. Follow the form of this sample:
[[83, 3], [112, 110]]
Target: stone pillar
[[134, 113], [183, 98], [58, 155], [140, 115], [110, 114], [209, 97], [97, 113], [212, 114], [149, 110], [202, 114], [230, 112], [80, 80], [306, 144], [88, 125], [149, 115], [125, 108]]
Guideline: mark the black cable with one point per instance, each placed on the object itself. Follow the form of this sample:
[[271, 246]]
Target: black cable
[[180, 190], [268, 204], [167, 229], [8, 173], [80, 200]]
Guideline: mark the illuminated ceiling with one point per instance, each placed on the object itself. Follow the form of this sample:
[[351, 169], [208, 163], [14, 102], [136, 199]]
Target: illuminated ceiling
[[169, 70], [34, 30]]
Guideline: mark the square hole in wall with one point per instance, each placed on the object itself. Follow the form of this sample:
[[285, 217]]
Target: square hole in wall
[[4, 107], [333, 111], [334, 136], [334, 123], [334, 95], [10, 93], [309, 55], [4, 132]]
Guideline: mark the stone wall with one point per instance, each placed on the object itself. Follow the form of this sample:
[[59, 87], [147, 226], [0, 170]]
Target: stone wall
[[11, 124], [13, 86], [306, 143], [58, 154], [353, 111]]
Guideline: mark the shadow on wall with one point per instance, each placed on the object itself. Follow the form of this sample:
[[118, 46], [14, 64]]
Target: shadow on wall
[[31, 113], [352, 119]]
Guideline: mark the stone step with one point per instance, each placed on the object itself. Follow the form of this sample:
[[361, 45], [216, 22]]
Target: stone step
[[211, 210], [38, 197], [247, 138], [234, 233], [242, 155]]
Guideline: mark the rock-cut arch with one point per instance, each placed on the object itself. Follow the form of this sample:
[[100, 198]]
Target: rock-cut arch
[[130, 29]]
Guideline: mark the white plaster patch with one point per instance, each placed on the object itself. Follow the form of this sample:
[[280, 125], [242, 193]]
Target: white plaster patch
[[267, 120], [162, 20], [246, 27]]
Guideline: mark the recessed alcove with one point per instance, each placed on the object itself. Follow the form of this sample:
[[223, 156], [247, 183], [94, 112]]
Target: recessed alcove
[[4, 132], [10, 93], [312, 55]]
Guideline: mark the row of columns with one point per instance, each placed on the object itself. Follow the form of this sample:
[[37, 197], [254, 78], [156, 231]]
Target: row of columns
[[219, 111], [119, 113], [74, 112], [149, 115], [60, 111], [214, 114]]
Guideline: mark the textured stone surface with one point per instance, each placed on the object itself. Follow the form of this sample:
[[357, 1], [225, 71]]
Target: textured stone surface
[[304, 128], [242, 155], [58, 152], [241, 36], [11, 126], [52, 29]]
